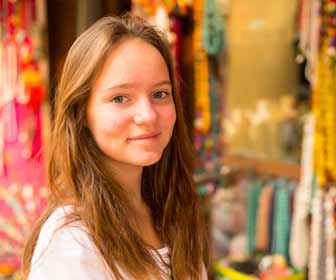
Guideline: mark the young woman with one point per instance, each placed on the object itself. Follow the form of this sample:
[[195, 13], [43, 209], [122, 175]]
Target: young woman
[[123, 203]]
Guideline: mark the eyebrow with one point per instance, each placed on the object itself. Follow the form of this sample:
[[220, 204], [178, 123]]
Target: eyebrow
[[130, 85]]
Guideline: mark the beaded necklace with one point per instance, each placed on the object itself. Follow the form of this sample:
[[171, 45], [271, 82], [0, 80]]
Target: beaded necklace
[[213, 27], [201, 73], [324, 98]]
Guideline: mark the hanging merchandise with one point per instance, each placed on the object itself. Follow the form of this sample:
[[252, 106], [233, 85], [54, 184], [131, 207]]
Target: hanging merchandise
[[260, 199], [330, 234], [208, 145], [252, 213], [318, 43], [207, 43], [148, 7], [22, 88], [299, 242], [325, 114], [316, 236], [213, 28], [264, 219], [201, 73], [322, 259], [324, 100], [201, 86], [269, 216], [228, 222], [309, 25], [281, 219], [324, 97], [167, 15], [268, 228]]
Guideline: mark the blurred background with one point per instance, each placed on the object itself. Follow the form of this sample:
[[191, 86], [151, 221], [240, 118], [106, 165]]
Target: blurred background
[[258, 84]]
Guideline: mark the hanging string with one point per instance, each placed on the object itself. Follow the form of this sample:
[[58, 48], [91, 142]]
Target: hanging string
[[213, 28]]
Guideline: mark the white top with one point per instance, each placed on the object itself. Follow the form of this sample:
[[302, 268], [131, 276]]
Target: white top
[[67, 252]]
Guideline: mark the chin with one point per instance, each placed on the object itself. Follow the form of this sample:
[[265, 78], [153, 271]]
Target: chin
[[147, 161]]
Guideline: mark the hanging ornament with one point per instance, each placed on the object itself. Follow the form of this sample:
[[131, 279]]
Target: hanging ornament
[[201, 73], [21, 161]]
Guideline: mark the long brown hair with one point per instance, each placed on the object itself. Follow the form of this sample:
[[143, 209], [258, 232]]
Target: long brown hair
[[76, 173]]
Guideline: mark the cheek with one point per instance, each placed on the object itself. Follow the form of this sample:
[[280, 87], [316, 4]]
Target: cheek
[[115, 124], [168, 116], [108, 122]]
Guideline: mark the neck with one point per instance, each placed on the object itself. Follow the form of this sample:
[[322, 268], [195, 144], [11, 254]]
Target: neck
[[139, 215], [129, 177]]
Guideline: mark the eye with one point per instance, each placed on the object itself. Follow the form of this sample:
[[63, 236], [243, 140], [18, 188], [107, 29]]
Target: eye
[[119, 99], [160, 94]]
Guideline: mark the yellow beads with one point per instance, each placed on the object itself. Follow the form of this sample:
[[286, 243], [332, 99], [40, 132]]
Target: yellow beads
[[201, 73], [324, 108]]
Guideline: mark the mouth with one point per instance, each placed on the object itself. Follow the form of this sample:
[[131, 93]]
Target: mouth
[[147, 136]]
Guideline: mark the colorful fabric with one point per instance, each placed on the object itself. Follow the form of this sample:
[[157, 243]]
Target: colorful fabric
[[265, 204]]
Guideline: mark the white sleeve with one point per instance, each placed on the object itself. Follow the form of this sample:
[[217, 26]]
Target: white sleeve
[[65, 253]]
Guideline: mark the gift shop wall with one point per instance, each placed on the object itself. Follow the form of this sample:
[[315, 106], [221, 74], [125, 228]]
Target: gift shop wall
[[275, 217], [23, 83]]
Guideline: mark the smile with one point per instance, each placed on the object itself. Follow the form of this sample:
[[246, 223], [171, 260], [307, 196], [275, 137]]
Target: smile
[[147, 136]]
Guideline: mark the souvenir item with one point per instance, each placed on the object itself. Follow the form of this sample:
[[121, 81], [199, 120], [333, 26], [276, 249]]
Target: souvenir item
[[22, 174]]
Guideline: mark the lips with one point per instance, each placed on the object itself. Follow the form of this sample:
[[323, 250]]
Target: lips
[[145, 136]]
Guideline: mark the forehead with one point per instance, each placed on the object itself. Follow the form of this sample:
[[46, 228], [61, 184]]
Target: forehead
[[133, 61]]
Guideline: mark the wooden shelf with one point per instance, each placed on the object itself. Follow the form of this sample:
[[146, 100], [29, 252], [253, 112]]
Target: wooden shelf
[[263, 167]]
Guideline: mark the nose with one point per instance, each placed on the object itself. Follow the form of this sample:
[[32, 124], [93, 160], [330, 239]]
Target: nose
[[145, 113]]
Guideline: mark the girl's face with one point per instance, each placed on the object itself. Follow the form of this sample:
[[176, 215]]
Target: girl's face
[[131, 112]]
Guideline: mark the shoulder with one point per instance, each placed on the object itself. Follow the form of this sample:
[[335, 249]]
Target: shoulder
[[57, 222], [65, 251], [56, 229]]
